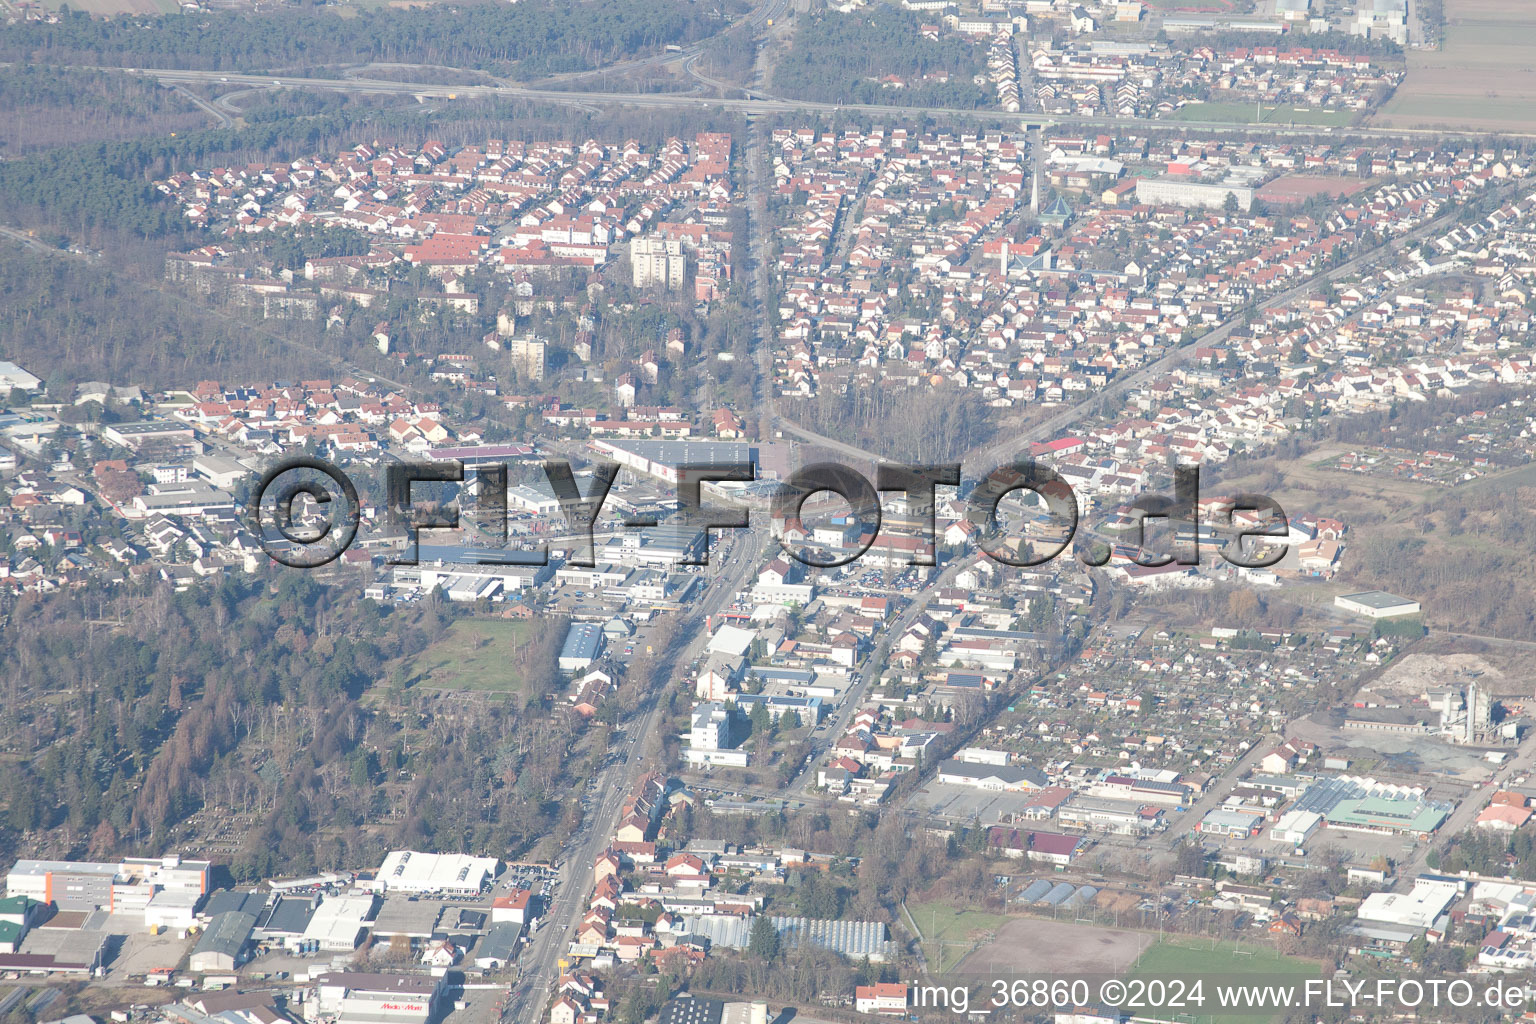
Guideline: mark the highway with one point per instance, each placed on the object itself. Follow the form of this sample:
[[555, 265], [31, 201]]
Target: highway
[[508, 90], [761, 15]]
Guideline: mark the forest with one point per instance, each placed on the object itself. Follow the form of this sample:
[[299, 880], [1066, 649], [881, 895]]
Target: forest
[[839, 58], [264, 702], [42, 107], [937, 424], [527, 39], [74, 320]]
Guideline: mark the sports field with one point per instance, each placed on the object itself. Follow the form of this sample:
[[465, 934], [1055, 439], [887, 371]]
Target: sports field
[[950, 933], [1222, 963], [1032, 945], [1483, 77]]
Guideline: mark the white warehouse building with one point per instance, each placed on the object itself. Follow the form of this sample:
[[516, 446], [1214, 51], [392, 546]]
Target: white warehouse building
[[412, 871]]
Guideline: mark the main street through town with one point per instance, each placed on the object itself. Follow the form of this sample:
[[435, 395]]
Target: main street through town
[[638, 745], [636, 753]]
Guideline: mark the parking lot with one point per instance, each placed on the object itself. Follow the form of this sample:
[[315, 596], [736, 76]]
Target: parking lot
[[966, 803]]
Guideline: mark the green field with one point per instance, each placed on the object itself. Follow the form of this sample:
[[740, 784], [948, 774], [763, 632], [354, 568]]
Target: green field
[[475, 654], [949, 934], [1481, 77], [1225, 963], [1245, 113]]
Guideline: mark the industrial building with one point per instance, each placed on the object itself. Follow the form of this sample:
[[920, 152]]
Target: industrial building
[[662, 459], [222, 946], [14, 378], [1238, 824], [1376, 604], [467, 574], [1042, 847], [451, 873], [1125, 787], [583, 643], [79, 953], [125, 887], [1382, 19], [1365, 805], [1010, 778], [1419, 908], [499, 945], [350, 997], [1178, 192]]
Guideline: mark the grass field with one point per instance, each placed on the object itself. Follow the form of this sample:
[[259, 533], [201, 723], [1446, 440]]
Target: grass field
[[949, 933], [1223, 962], [475, 654], [1483, 76], [1245, 113]]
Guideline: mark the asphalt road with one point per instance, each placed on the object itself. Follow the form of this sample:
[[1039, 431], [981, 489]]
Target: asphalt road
[[426, 90], [873, 666], [539, 965]]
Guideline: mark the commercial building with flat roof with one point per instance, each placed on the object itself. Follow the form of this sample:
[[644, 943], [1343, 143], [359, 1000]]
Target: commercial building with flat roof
[[986, 776], [1222, 822], [136, 435], [339, 923], [663, 459], [1358, 804], [126, 886], [412, 871], [352, 997], [1415, 909], [1176, 192], [1377, 604]]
